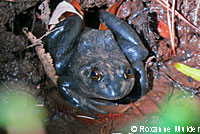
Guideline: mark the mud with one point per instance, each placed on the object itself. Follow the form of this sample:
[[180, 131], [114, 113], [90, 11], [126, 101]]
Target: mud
[[187, 42], [20, 67]]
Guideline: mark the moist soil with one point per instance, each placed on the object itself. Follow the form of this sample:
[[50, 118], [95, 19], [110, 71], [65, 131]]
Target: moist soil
[[20, 66]]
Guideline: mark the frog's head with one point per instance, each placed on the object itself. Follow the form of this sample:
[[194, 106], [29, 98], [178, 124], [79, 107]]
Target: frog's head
[[100, 69], [109, 78]]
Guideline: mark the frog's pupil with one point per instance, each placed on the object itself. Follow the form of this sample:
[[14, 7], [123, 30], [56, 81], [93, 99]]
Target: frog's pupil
[[129, 71], [93, 73]]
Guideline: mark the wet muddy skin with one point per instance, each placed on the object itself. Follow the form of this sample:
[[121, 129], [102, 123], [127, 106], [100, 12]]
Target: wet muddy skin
[[21, 67]]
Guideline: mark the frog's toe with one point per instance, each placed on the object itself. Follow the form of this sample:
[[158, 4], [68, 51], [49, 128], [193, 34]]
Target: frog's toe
[[101, 103], [89, 105], [93, 108]]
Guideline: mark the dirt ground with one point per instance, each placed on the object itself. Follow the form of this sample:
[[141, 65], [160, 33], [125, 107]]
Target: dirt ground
[[21, 67]]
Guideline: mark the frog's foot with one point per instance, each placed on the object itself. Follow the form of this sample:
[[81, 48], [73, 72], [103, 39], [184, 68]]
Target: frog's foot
[[139, 67], [62, 40], [89, 105]]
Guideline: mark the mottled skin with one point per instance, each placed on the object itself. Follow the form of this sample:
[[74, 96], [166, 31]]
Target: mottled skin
[[77, 53]]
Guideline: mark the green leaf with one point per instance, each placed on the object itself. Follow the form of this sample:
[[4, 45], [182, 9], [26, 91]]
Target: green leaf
[[18, 112], [192, 72]]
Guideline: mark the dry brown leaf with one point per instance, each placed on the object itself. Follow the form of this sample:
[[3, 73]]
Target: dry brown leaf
[[61, 8], [45, 12], [45, 58]]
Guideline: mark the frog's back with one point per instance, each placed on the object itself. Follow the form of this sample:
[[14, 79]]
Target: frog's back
[[96, 44]]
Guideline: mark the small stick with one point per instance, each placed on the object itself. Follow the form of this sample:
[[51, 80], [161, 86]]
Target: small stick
[[86, 117], [196, 13], [45, 58], [180, 16], [34, 19], [169, 22], [48, 32], [173, 28], [38, 42]]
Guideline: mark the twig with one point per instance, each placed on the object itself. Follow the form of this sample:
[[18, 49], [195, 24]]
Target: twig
[[48, 32], [169, 22], [103, 128], [45, 58], [38, 42], [173, 27], [86, 117], [34, 20], [180, 16], [196, 13], [138, 111], [148, 61], [147, 65], [33, 45]]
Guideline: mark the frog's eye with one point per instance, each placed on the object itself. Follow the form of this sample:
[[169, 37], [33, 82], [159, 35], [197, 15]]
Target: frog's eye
[[95, 74], [128, 73]]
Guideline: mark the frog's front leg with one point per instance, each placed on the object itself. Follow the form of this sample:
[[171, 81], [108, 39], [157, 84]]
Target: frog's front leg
[[129, 42], [61, 42], [73, 95]]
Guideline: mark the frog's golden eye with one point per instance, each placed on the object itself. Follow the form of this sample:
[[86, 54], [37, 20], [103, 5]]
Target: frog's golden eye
[[95, 74], [128, 73]]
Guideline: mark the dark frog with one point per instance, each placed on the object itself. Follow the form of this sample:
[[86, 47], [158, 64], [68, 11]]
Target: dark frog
[[95, 64]]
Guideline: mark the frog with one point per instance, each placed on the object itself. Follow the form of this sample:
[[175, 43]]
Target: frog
[[96, 67]]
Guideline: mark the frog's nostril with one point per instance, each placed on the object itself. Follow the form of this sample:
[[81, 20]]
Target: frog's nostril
[[113, 92]]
